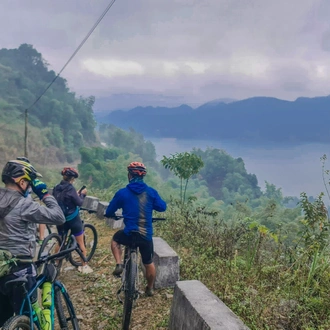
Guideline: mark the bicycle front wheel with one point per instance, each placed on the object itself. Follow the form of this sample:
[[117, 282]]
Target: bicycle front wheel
[[90, 240], [129, 289], [51, 245], [21, 322], [66, 315]]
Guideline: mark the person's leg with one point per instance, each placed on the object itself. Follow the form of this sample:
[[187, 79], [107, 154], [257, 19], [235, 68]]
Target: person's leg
[[42, 228], [11, 298], [116, 251], [6, 309], [150, 275], [77, 229], [81, 243], [147, 253], [118, 239]]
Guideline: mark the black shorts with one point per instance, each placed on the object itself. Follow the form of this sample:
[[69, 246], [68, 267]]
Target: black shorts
[[146, 247], [75, 225]]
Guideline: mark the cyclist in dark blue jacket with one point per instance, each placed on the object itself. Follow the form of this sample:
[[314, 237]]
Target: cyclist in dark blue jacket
[[137, 201], [70, 201]]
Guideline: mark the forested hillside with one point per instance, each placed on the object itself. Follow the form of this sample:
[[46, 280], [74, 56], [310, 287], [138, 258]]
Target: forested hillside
[[60, 121], [256, 119]]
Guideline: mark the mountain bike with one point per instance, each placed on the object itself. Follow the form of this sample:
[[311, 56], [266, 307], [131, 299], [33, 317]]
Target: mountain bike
[[129, 277], [55, 242], [54, 297]]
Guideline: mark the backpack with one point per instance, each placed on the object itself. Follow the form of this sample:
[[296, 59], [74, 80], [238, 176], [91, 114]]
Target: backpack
[[7, 261], [59, 196]]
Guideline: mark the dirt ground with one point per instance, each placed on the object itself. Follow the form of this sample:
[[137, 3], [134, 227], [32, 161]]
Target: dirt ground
[[95, 295]]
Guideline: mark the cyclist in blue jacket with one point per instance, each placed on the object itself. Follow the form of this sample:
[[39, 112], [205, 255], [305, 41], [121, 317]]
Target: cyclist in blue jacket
[[137, 201]]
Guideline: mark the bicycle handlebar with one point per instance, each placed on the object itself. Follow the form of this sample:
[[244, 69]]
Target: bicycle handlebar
[[117, 217], [46, 258], [88, 210]]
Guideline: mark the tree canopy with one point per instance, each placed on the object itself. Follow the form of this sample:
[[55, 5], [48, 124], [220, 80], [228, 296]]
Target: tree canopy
[[65, 120]]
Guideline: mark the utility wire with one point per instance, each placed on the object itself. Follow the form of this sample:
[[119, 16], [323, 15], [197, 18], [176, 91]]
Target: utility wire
[[75, 52], [69, 60]]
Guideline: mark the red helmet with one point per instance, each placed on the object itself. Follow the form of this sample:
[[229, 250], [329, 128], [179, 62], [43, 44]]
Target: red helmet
[[137, 169], [70, 172]]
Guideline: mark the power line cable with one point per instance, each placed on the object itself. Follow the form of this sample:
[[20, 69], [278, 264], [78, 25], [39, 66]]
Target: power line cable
[[75, 52], [69, 60]]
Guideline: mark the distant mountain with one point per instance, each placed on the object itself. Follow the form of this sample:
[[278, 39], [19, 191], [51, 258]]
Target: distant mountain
[[257, 119], [129, 101]]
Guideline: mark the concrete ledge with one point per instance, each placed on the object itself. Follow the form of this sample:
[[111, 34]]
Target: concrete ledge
[[195, 307], [167, 264], [114, 224], [91, 203], [101, 207]]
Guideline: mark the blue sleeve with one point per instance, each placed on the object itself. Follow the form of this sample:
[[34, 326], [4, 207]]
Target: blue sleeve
[[158, 205], [113, 206]]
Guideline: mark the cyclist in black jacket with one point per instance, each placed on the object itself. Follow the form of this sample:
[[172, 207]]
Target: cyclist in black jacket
[[70, 200]]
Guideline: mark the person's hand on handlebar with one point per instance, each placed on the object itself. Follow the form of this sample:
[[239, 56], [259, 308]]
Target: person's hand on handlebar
[[115, 216]]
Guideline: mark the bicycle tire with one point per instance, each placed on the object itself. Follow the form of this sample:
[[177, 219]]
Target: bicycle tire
[[90, 240], [66, 323], [52, 241], [18, 322], [48, 230], [129, 288]]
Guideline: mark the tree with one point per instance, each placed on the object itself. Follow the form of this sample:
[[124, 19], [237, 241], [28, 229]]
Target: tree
[[184, 165]]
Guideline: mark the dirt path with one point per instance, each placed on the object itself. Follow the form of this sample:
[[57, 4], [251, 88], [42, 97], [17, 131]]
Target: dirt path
[[94, 295]]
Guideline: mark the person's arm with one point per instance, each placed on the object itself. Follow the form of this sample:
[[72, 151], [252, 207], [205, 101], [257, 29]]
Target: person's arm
[[50, 214], [113, 206], [77, 200], [158, 205]]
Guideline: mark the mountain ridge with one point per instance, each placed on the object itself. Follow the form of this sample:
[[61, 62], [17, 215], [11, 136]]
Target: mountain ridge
[[256, 118]]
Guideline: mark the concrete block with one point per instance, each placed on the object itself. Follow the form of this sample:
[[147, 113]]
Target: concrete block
[[195, 307], [91, 203], [167, 264], [101, 207], [115, 224]]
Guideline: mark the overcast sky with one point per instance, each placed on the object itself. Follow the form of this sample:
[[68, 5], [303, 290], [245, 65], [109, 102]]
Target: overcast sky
[[195, 49]]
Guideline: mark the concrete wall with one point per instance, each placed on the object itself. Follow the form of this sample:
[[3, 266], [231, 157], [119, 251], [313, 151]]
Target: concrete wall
[[167, 264], [195, 307]]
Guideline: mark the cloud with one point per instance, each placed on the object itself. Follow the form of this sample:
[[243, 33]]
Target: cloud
[[195, 49], [113, 68]]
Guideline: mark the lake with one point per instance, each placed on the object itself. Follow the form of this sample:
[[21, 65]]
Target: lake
[[294, 167]]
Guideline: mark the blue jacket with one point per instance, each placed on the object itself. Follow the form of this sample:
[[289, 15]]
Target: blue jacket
[[137, 201]]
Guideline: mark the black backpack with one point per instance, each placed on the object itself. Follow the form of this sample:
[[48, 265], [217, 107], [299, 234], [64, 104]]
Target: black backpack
[[59, 196]]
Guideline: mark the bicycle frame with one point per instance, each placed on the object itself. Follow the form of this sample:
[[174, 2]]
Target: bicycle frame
[[27, 301], [66, 241]]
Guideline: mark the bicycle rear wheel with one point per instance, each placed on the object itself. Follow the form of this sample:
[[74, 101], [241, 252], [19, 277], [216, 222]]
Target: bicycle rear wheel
[[90, 240], [51, 245], [18, 322], [129, 289], [66, 315]]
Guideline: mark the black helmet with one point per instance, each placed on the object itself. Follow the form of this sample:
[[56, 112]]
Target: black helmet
[[24, 159], [17, 170]]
